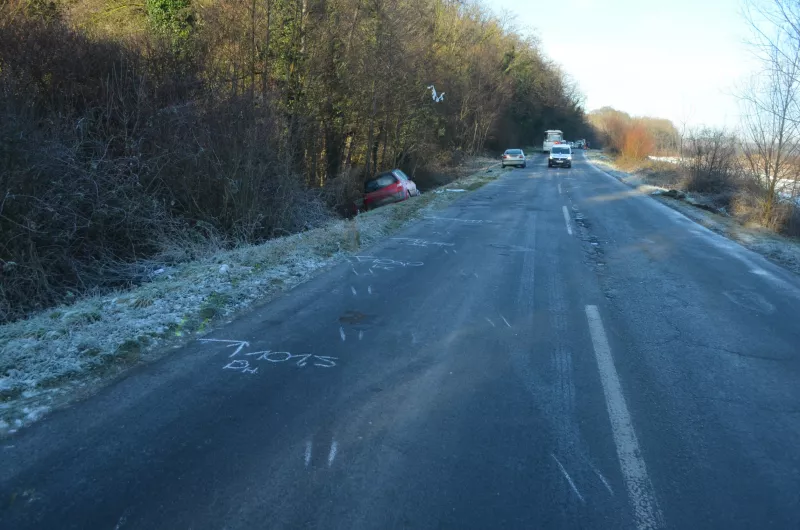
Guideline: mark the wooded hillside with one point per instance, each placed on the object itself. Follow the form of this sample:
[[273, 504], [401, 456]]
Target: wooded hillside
[[135, 131]]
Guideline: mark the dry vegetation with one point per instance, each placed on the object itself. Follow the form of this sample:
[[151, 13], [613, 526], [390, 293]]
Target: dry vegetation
[[753, 175], [138, 135]]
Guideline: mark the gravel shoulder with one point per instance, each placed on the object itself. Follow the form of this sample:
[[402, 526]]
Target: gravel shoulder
[[67, 353]]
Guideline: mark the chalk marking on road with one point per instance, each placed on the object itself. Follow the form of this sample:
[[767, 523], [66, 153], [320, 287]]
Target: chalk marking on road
[[569, 479], [416, 242], [353, 289], [566, 219], [369, 289], [308, 453], [121, 522], [332, 453], [490, 322], [240, 365], [386, 263], [640, 490], [506, 321], [239, 344], [360, 335], [601, 477], [465, 221], [341, 333]]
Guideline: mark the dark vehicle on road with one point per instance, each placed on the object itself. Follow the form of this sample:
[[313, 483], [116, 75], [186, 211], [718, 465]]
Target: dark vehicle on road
[[514, 157], [391, 186]]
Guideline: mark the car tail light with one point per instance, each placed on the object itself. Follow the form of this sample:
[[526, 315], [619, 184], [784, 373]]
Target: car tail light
[[505, 156]]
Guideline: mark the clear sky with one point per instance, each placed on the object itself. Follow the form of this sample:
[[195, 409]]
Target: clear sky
[[676, 59]]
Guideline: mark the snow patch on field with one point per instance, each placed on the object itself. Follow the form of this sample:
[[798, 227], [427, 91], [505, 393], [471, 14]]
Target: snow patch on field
[[53, 356]]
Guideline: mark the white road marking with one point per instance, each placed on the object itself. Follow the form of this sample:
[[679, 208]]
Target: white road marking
[[506, 321], [640, 490], [566, 219], [354, 290], [569, 479], [341, 333], [490, 322], [308, 453], [354, 271], [369, 289], [332, 453], [559, 188], [360, 335]]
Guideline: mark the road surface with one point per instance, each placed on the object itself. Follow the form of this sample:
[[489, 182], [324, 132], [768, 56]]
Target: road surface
[[552, 351]]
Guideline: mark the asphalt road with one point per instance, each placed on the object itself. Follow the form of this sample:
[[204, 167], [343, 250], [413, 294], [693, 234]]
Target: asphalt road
[[552, 351]]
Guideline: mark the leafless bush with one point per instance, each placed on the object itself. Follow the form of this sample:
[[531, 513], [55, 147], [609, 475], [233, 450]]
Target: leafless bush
[[109, 160], [711, 165], [784, 217], [345, 191]]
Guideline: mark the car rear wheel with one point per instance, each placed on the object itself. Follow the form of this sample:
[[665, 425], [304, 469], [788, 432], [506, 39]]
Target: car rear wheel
[[524, 166]]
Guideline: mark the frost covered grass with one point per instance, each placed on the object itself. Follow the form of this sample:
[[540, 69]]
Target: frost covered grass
[[59, 354]]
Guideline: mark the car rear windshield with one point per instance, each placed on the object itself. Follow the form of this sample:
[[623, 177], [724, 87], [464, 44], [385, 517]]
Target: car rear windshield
[[379, 183], [560, 150], [514, 151], [553, 137]]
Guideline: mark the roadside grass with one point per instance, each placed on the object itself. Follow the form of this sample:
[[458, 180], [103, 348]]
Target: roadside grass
[[53, 357], [662, 181]]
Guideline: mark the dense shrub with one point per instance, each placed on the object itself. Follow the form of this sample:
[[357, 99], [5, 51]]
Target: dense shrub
[[147, 131]]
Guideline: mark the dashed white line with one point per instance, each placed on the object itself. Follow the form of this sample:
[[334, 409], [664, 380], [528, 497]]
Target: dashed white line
[[341, 333], [360, 335], [308, 453], [640, 490], [332, 453], [369, 289], [566, 219], [354, 290], [506, 321], [490, 322], [354, 271], [559, 188], [569, 479]]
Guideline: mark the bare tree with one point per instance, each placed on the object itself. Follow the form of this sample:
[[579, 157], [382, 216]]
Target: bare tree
[[771, 118]]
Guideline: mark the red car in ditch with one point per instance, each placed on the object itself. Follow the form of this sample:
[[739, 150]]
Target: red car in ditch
[[388, 187]]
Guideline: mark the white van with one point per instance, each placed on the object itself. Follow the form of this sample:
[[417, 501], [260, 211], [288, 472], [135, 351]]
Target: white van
[[552, 138]]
